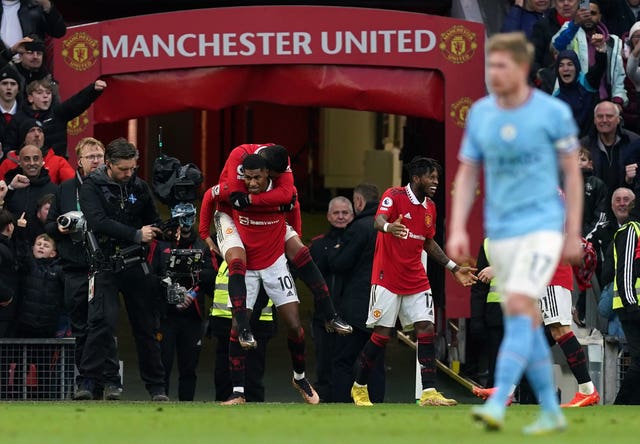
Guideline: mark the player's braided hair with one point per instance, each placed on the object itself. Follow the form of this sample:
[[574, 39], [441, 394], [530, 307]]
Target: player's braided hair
[[421, 165]]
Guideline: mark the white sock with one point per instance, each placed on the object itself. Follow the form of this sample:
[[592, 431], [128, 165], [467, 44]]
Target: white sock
[[430, 389], [238, 389], [586, 388]]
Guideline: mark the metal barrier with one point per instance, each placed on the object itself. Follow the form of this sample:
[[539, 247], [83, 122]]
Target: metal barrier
[[36, 369]]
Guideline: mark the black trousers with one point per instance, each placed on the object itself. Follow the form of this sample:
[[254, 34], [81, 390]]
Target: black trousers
[[345, 354], [629, 392], [324, 346], [181, 336], [76, 296], [255, 366], [102, 319]]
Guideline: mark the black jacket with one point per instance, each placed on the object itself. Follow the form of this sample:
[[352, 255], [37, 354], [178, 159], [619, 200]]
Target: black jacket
[[8, 278], [627, 270], [483, 314], [34, 20], [543, 32], [617, 15], [159, 261], [354, 261], [116, 212], [596, 203], [319, 249], [24, 200], [610, 166], [41, 294], [72, 253], [54, 120]]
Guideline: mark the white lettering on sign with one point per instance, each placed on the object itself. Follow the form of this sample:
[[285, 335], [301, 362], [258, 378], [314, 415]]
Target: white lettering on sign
[[249, 44]]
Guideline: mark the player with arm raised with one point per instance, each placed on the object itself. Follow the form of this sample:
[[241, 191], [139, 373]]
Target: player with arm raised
[[400, 287]]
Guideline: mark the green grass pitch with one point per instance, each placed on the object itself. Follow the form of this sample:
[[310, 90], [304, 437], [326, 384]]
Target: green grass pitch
[[190, 423]]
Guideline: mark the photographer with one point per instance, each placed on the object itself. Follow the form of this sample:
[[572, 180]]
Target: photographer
[[69, 233], [187, 277], [120, 211]]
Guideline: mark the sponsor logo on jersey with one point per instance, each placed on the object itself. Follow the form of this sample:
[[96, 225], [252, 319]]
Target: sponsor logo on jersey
[[508, 132], [387, 202], [244, 220], [377, 313]]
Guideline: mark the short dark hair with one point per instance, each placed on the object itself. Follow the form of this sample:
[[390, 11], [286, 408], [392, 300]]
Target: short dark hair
[[254, 162], [369, 191], [277, 158], [45, 199], [6, 218], [421, 165], [120, 149]]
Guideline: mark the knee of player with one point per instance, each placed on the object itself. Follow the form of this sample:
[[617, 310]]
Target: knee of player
[[424, 327]]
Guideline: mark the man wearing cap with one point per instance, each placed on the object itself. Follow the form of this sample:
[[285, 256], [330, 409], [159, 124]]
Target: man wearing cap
[[31, 66], [31, 132]]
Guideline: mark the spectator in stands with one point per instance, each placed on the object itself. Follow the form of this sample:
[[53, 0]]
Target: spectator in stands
[[632, 53], [352, 258], [8, 271], [31, 65], [577, 89], [578, 33], [339, 215], [41, 291], [53, 114], [9, 91], [595, 196], [620, 15], [626, 302], [27, 184], [524, 14], [24, 17], [31, 133], [613, 149], [546, 28]]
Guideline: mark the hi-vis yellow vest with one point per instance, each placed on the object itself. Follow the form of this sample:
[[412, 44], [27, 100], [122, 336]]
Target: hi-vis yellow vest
[[493, 296], [219, 308], [617, 301]]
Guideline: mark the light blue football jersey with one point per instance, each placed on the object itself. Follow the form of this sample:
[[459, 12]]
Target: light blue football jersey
[[519, 149]]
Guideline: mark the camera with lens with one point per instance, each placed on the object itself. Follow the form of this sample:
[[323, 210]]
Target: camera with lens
[[176, 293], [75, 223]]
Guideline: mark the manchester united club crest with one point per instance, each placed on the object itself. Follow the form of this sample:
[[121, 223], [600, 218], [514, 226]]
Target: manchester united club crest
[[377, 313], [458, 44], [428, 220], [459, 110], [80, 51], [78, 125]]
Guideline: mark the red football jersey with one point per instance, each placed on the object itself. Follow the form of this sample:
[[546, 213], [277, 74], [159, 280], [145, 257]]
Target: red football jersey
[[396, 262], [231, 179], [563, 276], [262, 235]]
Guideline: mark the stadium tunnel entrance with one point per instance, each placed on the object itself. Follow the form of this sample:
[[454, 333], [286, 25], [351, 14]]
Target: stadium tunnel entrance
[[221, 68]]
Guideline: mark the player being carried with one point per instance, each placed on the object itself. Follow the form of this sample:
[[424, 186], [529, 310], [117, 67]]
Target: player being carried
[[262, 234], [400, 287], [231, 193]]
